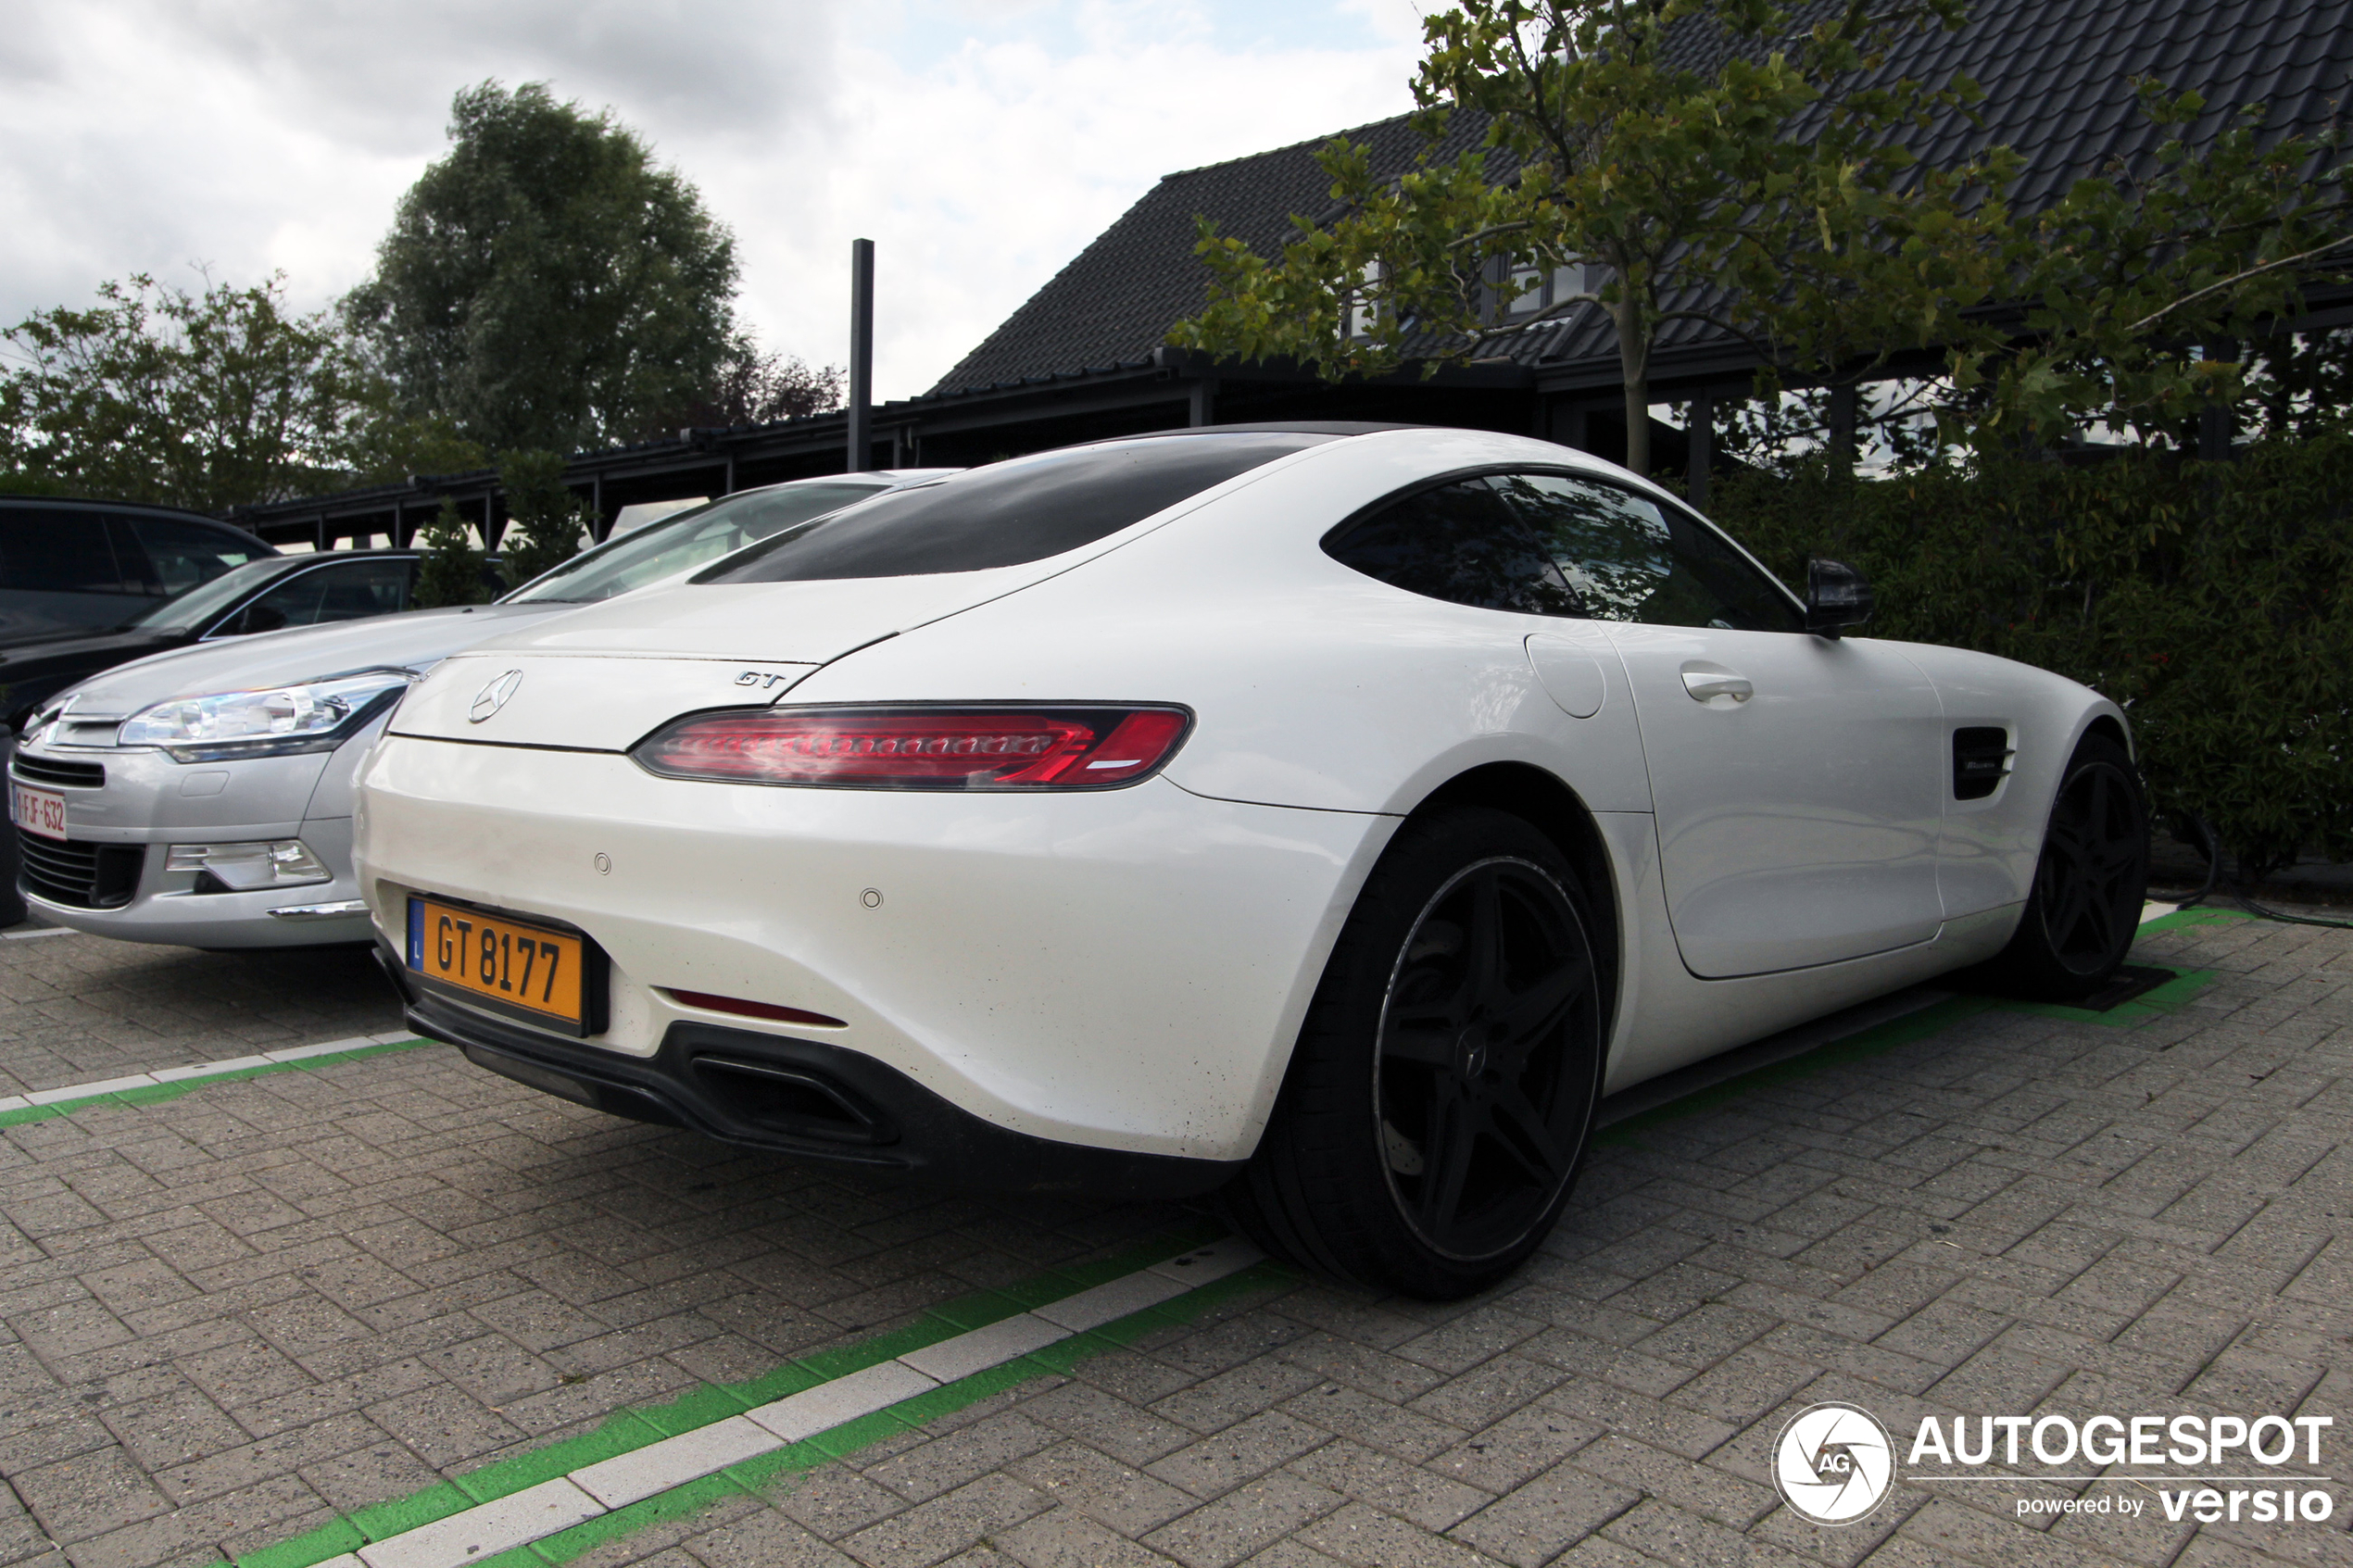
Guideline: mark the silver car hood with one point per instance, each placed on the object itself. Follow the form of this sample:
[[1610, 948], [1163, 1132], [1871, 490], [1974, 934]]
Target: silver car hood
[[414, 640]]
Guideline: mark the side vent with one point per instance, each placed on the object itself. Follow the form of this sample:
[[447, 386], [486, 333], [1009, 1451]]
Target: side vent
[[1981, 757]]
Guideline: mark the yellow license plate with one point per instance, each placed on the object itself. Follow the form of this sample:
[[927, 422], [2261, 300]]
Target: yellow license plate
[[509, 962]]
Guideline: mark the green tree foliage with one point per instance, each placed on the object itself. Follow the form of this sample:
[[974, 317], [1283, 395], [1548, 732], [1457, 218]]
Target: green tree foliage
[[2212, 601], [451, 572], [201, 400], [546, 286], [544, 518], [753, 386], [2128, 277], [1678, 188]]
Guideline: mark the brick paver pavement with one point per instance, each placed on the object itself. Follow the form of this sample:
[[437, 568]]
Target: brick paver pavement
[[231, 1315], [77, 1009]]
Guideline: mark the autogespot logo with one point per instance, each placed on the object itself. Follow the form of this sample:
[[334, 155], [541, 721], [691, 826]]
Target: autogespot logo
[[1833, 1463]]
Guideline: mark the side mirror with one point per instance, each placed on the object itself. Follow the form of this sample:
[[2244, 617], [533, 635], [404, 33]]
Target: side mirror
[[1837, 598]]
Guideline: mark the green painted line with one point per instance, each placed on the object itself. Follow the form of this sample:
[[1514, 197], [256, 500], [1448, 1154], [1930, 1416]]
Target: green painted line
[[155, 1094], [751, 1476], [1875, 1041], [2200, 916], [639, 1428], [2158, 1002]]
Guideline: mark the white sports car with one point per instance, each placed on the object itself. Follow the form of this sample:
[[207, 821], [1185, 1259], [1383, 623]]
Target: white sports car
[[1329, 813]]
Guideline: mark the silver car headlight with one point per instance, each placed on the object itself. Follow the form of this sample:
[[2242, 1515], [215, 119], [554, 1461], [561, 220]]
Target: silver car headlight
[[315, 715]]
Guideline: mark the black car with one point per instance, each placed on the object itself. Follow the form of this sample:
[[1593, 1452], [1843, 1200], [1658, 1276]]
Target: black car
[[68, 566], [260, 595]]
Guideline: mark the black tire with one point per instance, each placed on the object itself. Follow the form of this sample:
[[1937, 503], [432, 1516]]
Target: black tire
[[2089, 884], [1464, 1011]]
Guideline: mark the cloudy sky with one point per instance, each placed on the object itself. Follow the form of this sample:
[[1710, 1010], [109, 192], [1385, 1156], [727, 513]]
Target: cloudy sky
[[980, 143]]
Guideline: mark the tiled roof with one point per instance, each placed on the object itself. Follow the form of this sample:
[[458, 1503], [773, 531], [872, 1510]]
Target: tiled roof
[[2058, 79], [1116, 301]]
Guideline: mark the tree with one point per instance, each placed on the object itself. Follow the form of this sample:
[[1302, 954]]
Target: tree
[[201, 400], [752, 386], [2154, 296], [1766, 191], [546, 286], [451, 572], [544, 518]]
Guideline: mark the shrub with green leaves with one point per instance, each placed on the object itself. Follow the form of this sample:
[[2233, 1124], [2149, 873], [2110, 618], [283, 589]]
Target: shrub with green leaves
[[543, 517], [2212, 601], [451, 572]]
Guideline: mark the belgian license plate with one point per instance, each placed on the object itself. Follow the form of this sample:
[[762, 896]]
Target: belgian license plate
[[38, 810], [509, 962]]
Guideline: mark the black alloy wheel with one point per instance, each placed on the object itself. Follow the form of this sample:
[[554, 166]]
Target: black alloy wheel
[[1438, 1104], [1480, 1116], [2085, 910], [2092, 877]]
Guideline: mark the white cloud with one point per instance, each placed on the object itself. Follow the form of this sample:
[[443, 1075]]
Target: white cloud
[[979, 143]]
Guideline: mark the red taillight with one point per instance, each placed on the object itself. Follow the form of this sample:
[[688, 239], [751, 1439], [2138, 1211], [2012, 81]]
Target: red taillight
[[1074, 747]]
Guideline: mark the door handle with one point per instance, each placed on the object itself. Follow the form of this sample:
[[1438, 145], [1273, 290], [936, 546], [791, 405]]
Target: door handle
[[1706, 683]]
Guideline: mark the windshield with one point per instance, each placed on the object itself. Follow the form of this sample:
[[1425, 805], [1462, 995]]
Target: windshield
[[676, 543], [201, 602]]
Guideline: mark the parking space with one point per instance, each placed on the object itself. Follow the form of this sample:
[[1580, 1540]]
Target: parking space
[[376, 1306]]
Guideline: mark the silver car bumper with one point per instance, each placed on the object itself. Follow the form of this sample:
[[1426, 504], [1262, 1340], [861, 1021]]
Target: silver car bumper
[[110, 875]]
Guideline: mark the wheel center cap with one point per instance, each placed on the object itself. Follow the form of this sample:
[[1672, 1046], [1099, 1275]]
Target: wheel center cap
[[1470, 1052]]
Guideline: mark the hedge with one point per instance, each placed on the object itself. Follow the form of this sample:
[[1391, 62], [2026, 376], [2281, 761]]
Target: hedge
[[2213, 602]]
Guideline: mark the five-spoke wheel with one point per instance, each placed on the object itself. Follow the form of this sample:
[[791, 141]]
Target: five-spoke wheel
[[1480, 1116], [1438, 1103], [2085, 907]]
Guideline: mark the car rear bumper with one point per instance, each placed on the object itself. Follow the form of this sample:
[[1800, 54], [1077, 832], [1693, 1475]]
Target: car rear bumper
[[805, 1098], [1120, 969]]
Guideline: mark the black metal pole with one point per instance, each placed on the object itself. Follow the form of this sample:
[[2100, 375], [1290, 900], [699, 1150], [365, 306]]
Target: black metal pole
[[862, 355], [1701, 427]]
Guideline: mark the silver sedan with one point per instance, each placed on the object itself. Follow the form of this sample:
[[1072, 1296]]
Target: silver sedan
[[203, 797]]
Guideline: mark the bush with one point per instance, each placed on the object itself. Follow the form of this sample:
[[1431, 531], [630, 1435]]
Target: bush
[[2213, 602], [451, 573], [545, 517]]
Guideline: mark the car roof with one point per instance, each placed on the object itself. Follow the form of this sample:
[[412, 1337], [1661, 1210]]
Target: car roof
[[1277, 427], [12, 500]]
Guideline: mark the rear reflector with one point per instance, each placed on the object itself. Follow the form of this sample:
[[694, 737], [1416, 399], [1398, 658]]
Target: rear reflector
[[962, 748], [756, 1010]]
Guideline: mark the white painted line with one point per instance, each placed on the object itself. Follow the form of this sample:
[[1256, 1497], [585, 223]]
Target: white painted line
[[2154, 911], [328, 1047], [43, 931], [396, 1038], [1203, 1264], [1004, 1341], [485, 1530], [626, 1478], [1109, 1302], [844, 1399], [78, 1091], [615, 1483], [197, 1070], [207, 1069]]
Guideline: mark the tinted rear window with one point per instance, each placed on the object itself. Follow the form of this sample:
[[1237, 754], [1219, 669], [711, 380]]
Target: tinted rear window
[[57, 551], [1009, 513]]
